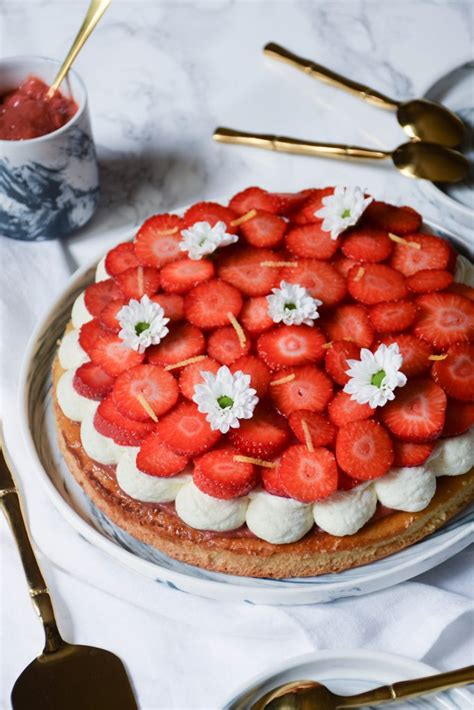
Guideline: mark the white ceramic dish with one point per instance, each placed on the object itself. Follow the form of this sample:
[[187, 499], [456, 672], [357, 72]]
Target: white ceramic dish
[[455, 89], [40, 438], [348, 673]]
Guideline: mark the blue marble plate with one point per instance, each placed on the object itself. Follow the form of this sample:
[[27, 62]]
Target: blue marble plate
[[94, 526], [348, 673]]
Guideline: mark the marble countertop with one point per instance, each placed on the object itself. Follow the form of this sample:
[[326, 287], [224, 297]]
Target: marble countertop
[[161, 75]]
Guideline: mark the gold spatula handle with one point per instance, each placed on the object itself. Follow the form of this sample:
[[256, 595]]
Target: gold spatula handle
[[317, 71], [10, 504], [285, 144], [407, 689]]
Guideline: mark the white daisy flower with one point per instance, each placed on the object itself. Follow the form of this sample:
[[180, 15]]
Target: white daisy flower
[[374, 377], [201, 239], [225, 398], [143, 323], [343, 209], [292, 304]]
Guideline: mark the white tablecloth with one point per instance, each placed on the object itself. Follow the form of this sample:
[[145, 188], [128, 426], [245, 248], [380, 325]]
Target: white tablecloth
[[160, 76]]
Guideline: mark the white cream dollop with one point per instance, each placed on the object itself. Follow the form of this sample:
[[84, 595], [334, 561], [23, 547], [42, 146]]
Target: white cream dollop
[[276, 519], [79, 313], [453, 456], [101, 273], [100, 448], [73, 405], [71, 354], [409, 488], [203, 512], [345, 512], [142, 486], [464, 271]]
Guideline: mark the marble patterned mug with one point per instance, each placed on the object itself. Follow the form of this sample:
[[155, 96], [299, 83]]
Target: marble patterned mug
[[49, 186]]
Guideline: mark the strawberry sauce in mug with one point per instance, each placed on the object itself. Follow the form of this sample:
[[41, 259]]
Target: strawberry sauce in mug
[[25, 112]]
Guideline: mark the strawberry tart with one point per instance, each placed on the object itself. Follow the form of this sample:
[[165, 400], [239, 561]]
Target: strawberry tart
[[283, 386]]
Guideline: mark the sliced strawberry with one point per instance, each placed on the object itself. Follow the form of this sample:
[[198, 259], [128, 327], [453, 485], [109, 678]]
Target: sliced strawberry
[[139, 281], [259, 373], [186, 431], [190, 376], [157, 460], [319, 278], [182, 342], [271, 482], [364, 450], [92, 381], [399, 220], [462, 290], [108, 316], [263, 436], [124, 431], [145, 383], [321, 431], [309, 389], [308, 476], [365, 244], [415, 353], [428, 280], [343, 265], [90, 335], [113, 356], [376, 283], [264, 230], [417, 413], [211, 212], [350, 322], [434, 253], [314, 202], [335, 360], [208, 305], [254, 316], [172, 304], [311, 242], [393, 316], [243, 269], [342, 410], [455, 374], [121, 258], [289, 345], [182, 275], [254, 198], [156, 244], [289, 202], [224, 345], [217, 474], [444, 319], [408, 453], [98, 295], [459, 418]]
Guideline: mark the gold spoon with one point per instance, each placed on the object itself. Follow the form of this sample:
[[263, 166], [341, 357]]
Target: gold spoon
[[309, 695], [94, 12], [64, 675], [416, 159], [420, 118]]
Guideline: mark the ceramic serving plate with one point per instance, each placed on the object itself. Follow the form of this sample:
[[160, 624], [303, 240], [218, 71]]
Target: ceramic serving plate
[[348, 673], [40, 437]]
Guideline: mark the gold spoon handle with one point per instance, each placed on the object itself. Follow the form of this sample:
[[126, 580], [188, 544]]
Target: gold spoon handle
[[317, 71], [285, 144], [94, 13], [407, 689], [10, 504]]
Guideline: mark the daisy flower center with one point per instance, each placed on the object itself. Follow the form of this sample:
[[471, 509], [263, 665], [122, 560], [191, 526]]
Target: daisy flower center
[[224, 401], [346, 213], [290, 306], [378, 378], [140, 327]]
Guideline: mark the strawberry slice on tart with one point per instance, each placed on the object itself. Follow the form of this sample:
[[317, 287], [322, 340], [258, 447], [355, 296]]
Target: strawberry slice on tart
[[308, 476], [417, 413], [158, 239]]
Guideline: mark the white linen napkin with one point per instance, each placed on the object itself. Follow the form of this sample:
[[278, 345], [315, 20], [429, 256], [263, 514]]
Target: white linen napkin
[[184, 651]]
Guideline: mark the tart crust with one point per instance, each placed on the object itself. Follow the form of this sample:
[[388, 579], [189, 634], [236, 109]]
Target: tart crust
[[317, 553]]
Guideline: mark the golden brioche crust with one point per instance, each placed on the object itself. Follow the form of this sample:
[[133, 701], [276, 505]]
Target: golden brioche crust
[[317, 553]]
